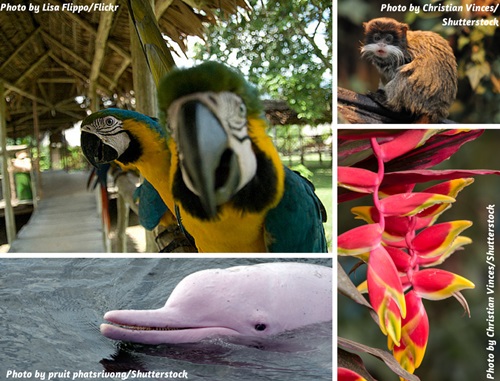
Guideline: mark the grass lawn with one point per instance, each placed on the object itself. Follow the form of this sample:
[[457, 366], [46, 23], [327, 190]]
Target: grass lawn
[[322, 180]]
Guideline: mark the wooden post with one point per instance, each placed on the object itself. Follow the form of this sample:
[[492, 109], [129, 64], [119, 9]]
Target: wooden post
[[36, 163], [123, 210], [10, 221], [144, 86], [145, 96], [34, 191]]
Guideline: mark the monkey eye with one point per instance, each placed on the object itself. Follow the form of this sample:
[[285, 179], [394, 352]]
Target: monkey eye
[[389, 38], [376, 37]]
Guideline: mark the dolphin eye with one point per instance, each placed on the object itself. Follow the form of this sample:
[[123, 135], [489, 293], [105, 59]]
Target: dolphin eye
[[260, 327]]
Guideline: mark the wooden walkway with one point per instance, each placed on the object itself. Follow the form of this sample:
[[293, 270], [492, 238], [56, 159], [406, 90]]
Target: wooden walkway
[[66, 220]]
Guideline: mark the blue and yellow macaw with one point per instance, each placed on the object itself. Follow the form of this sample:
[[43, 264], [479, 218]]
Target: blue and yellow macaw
[[213, 164]]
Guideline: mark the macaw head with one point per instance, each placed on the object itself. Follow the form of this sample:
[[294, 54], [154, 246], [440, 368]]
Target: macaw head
[[114, 134], [224, 155]]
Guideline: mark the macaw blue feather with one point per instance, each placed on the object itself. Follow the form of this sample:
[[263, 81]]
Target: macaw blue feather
[[101, 176], [130, 115], [151, 206], [296, 224]]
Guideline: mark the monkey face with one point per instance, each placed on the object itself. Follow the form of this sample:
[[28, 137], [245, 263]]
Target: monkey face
[[385, 42], [381, 44]]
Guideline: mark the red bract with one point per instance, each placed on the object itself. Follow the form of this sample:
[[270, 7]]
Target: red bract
[[435, 284], [449, 188], [357, 179], [456, 245], [414, 334], [344, 374], [359, 240], [395, 227], [400, 258], [404, 143], [386, 292], [409, 204], [435, 240]]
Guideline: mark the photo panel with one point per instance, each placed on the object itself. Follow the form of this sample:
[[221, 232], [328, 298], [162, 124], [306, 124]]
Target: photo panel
[[109, 318], [418, 61], [417, 221]]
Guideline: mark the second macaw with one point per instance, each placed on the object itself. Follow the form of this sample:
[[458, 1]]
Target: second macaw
[[213, 164]]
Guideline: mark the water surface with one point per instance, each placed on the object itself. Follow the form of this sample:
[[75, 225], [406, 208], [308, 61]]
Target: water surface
[[51, 309]]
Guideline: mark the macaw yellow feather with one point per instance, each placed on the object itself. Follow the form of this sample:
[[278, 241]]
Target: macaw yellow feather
[[247, 229], [155, 160]]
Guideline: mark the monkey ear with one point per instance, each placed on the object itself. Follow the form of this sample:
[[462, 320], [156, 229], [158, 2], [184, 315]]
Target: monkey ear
[[405, 27], [364, 25]]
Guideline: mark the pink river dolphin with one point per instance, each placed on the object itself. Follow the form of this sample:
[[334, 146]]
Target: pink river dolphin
[[255, 301]]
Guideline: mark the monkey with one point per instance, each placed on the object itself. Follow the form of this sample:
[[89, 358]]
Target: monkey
[[418, 69]]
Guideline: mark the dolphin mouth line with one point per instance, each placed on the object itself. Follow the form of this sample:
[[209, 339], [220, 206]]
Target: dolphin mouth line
[[164, 329], [144, 328]]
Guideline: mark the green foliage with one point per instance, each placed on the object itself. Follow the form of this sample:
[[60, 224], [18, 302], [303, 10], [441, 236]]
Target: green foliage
[[479, 68], [75, 159], [280, 44], [45, 163], [287, 139]]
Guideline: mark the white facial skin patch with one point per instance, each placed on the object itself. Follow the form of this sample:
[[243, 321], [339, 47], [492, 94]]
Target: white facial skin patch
[[110, 131], [230, 111]]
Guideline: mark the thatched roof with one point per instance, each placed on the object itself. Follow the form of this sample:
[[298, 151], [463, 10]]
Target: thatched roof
[[52, 57], [278, 112]]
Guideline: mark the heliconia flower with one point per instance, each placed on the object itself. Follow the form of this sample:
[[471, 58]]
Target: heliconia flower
[[368, 214], [399, 226], [363, 287], [395, 227], [386, 292], [454, 131], [436, 284], [400, 258], [414, 334], [409, 204], [448, 188], [451, 187], [434, 261], [395, 189], [357, 179], [435, 240], [344, 374], [404, 143], [360, 240]]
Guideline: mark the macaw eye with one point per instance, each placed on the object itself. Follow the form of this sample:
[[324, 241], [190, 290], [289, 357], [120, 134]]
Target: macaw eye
[[242, 110], [260, 327], [109, 121]]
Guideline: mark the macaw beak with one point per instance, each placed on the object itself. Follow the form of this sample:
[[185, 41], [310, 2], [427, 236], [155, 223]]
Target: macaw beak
[[95, 150], [209, 166]]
